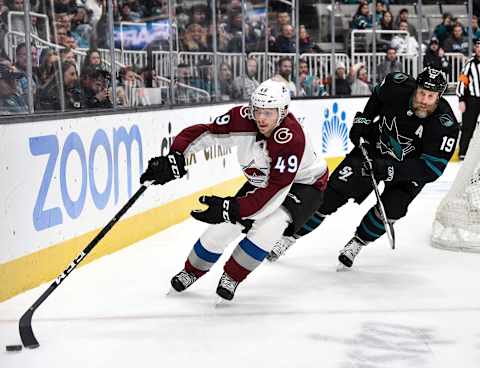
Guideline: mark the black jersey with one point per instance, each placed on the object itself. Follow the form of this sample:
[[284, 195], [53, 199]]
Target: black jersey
[[419, 148]]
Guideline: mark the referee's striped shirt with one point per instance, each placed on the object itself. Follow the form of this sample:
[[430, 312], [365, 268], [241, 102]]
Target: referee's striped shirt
[[469, 79]]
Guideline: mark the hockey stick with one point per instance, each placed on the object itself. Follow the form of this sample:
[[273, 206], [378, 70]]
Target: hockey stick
[[388, 226], [25, 324]]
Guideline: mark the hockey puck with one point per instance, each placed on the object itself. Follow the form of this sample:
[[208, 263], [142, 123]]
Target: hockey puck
[[14, 347]]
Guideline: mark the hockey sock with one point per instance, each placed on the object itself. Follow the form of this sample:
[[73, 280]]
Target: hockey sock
[[244, 259], [371, 228], [312, 223], [200, 260]]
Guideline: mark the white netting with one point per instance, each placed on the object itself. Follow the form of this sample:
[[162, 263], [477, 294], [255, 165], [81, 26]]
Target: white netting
[[457, 221]]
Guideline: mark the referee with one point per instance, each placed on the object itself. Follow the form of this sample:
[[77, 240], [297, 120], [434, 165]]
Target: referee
[[468, 92]]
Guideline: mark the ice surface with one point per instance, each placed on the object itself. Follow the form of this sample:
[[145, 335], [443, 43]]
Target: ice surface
[[414, 306]]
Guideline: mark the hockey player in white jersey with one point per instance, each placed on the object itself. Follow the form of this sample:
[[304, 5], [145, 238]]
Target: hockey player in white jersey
[[285, 185]]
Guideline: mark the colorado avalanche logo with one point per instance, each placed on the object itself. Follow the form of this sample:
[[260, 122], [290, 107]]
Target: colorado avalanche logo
[[254, 174], [283, 135]]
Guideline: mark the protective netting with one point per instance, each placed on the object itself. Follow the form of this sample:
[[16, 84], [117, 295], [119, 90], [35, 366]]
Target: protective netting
[[457, 220]]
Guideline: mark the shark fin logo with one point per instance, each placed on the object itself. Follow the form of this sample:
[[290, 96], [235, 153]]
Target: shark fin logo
[[391, 142], [446, 120], [400, 78]]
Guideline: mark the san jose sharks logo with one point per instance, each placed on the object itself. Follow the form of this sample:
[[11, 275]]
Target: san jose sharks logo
[[254, 174], [391, 142]]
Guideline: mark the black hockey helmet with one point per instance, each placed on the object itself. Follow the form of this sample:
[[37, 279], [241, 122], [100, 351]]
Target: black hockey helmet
[[432, 79]]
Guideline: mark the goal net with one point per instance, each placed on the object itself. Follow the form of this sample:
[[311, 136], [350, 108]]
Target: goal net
[[457, 220]]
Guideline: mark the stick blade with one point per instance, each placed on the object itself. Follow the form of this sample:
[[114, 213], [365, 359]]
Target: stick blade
[[26, 332], [391, 235]]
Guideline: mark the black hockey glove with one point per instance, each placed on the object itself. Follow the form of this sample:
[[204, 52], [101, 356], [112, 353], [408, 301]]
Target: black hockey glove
[[382, 169], [163, 169], [219, 210], [359, 128]]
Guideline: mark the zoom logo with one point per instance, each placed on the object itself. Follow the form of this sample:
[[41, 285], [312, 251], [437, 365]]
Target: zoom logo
[[45, 217]]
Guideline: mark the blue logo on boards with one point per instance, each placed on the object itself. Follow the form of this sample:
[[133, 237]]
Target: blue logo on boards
[[117, 148], [335, 130]]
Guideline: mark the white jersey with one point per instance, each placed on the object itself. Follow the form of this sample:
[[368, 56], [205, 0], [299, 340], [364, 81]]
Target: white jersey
[[271, 164]]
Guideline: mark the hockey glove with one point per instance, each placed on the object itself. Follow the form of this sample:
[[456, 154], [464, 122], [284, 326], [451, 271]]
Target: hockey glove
[[219, 210], [382, 169], [359, 128], [163, 169]]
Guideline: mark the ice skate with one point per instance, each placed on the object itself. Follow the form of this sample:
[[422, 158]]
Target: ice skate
[[280, 248], [182, 281], [350, 251], [226, 287]]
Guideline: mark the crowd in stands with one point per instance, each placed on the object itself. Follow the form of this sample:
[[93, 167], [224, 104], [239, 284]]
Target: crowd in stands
[[69, 73]]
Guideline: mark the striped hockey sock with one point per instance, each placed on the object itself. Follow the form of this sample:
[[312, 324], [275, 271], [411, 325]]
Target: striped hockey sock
[[371, 227], [200, 260], [312, 223], [244, 259]]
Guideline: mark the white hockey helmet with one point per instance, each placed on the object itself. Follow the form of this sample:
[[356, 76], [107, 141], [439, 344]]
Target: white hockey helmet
[[271, 95]]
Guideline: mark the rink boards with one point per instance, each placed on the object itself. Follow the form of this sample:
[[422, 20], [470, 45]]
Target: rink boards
[[63, 180]]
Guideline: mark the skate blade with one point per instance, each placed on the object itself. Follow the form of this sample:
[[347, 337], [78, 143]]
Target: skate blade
[[221, 302], [171, 291], [342, 268]]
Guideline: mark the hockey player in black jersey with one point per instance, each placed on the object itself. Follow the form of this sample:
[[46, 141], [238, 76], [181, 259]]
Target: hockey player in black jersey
[[411, 134]]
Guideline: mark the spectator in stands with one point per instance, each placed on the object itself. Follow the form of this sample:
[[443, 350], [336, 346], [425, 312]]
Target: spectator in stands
[[50, 96], [243, 86], [127, 15], [404, 43], [3, 8], [93, 58], [362, 19], [199, 15], [403, 17], [225, 82], [234, 31], [48, 59], [310, 85], [285, 68], [159, 8], [305, 43], [361, 85], [342, 87], [21, 58], [67, 54], [81, 28], [10, 101], [389, 65], [69, 41], [474, 29], [435, 56], [137, 8], [64, 6], [444, 29], [183, 95], [204, 79], [285, 42], [457, 42], [282, 19], [386, 24], [94, 84], [17, 22], [183, 73], [380, 9], [60, 35], [195, 38], [130, 90]]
